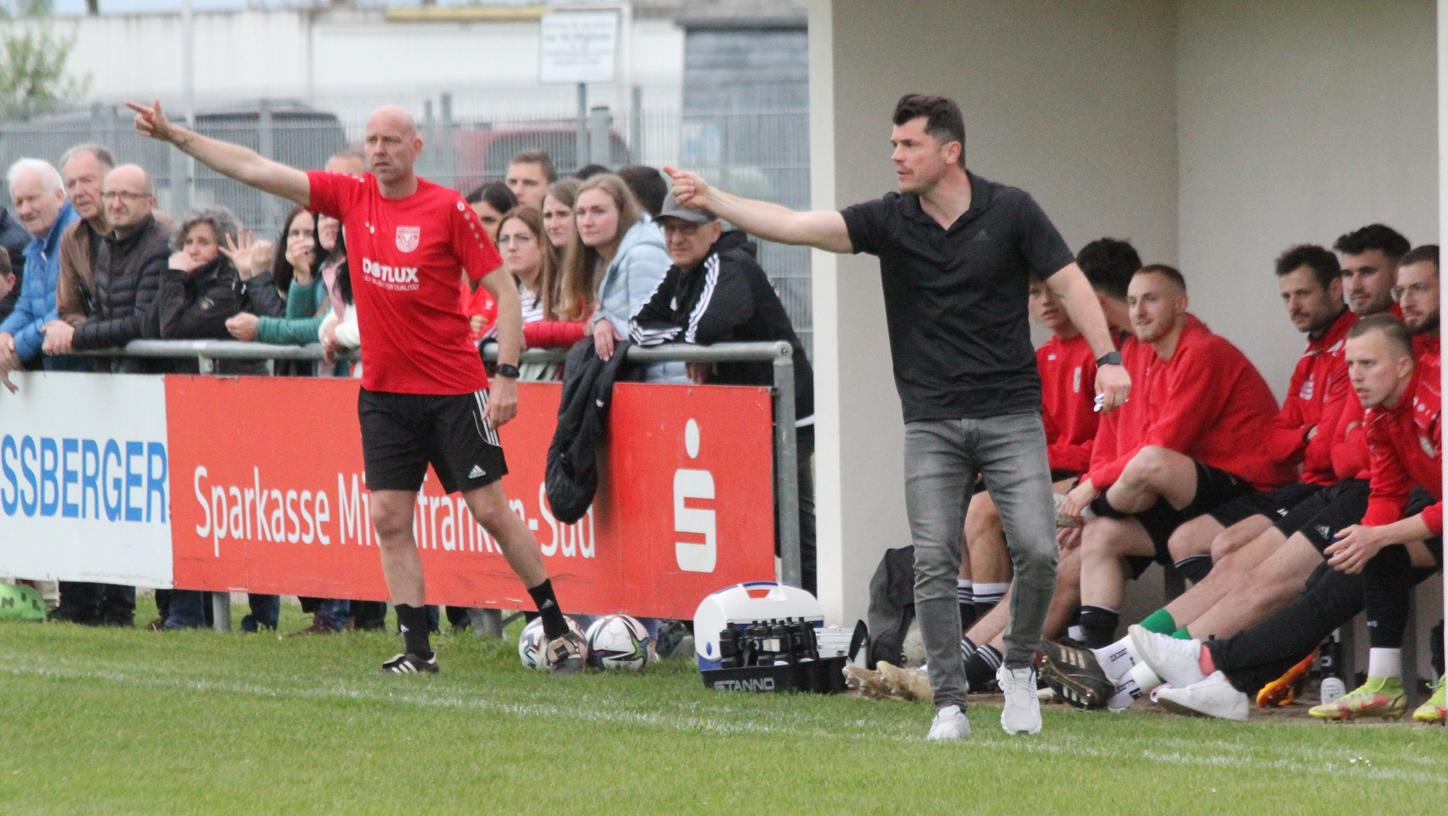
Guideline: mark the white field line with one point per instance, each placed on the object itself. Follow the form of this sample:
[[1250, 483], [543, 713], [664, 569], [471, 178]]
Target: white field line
[[1176, 752]]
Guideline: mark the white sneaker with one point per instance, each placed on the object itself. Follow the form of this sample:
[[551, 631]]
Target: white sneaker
[[949, 724], [1173, 660], [1022, 712], [1209, 697]]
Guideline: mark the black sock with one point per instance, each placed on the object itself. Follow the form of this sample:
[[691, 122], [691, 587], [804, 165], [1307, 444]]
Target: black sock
[[980, 669], [1101, 507], [1436, 648], [1389, 579], [1099, 625], [412, 620], [1194, 567], [553, 623]]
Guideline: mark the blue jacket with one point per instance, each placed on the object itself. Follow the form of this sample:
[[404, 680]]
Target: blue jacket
[[635, 272], [36, 305], [632, 277]]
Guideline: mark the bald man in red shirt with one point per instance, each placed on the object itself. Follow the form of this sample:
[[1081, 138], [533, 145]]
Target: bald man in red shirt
[[425, 399]]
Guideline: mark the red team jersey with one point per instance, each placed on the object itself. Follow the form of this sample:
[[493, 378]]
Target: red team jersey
[[1405, 443], [1068, 384], [1316, 396], [406, 256]]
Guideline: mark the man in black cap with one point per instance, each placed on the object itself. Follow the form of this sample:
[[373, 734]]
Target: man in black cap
[[714, 292]]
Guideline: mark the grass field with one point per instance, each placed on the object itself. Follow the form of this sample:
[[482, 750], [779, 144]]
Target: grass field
[[130, 721]]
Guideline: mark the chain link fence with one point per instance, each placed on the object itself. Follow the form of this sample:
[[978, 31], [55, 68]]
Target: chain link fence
[[760, 153]]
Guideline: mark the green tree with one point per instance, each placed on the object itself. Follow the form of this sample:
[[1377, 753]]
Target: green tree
[[33, 78]]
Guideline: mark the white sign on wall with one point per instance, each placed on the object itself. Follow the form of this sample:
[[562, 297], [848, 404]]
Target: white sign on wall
[[84, 481], [577, 46]]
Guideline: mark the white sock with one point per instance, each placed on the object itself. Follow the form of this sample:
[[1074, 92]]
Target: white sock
[[1115, 660], [1126, 693], [1385, 662], [963, 592], [991, 593]]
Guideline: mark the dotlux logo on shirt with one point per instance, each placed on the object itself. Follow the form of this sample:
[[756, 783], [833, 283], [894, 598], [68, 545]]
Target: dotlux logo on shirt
[[390, 277]]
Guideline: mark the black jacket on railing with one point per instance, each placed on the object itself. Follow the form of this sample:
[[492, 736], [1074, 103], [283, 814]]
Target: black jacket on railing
[[571, 475], [195, 305], [128, 275]]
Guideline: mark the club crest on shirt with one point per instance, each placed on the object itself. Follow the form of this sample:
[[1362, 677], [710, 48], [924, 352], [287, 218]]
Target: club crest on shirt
[[1306, 391], [407, 238]]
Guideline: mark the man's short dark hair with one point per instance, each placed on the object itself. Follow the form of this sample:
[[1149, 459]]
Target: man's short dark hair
[[1390, 325], [943, 120], [1427, 253], [1109, 264], [1169, 272], [648, 186], [1374, 236], [588, 171], [540, 158], [496, 194], [1322, 263]]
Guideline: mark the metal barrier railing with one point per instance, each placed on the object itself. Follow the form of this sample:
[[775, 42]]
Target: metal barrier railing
[[779, 352]]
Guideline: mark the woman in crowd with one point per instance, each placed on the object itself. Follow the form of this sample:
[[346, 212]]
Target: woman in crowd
[[199, 292], [619, 257], [490, 201], [558, 213], [528, 256]]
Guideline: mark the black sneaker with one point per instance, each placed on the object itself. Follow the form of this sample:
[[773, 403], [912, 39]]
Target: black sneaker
[[1075, 676], [410, 663]]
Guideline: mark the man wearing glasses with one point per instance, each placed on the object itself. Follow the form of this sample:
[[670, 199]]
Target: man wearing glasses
[[129, 265]]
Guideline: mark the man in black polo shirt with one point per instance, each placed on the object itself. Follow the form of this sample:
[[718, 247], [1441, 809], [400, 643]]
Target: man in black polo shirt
[[956, 254]]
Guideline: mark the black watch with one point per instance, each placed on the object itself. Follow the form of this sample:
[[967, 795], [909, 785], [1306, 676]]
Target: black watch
[[1112, 357], [505, 370]]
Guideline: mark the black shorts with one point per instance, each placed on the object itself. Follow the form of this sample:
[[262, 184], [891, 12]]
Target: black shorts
[[1418, 501], [1274, 504], [404, 433], [1214, 489], [1320, 516]]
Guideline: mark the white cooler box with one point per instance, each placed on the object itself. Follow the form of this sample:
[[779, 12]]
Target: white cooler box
[[751, 602]]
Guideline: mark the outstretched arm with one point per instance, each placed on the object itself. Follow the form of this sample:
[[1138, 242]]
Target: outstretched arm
[[241, 163], [772, 222]]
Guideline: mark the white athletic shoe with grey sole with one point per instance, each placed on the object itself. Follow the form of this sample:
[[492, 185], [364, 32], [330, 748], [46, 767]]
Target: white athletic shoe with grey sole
[[1173, 660], [1212, 696], [1022, 712], [949, 724]]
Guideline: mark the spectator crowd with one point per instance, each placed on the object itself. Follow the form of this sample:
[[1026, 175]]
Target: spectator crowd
[[92, 264], [1287, 519]]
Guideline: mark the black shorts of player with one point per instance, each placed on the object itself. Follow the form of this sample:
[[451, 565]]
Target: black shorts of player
[[404, 433], [1274, 504], [1320, 516], [1418, 501], [1214, 489]]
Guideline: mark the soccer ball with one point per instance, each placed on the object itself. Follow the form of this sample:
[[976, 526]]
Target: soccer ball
[[532, 641], [619, 642]]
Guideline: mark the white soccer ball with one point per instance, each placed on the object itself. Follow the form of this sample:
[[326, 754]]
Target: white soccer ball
[[532, 641], [619, 642]]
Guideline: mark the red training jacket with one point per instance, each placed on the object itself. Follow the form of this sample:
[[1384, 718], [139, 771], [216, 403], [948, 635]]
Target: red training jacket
[[1121, 431], [1315, 397], [1405, 443], [1207, 402], [1068, 388]]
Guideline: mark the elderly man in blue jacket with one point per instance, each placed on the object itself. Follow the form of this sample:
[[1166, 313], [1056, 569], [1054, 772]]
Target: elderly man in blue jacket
[[38, 197]]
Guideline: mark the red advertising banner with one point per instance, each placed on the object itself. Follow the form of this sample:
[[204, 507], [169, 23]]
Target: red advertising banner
[[268, 495]]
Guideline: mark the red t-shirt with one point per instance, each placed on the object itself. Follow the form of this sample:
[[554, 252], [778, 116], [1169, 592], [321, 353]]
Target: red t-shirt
[[405, 256], [1068, 387]]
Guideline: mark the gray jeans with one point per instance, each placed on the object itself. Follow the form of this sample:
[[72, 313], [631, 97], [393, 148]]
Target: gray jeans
[[942, 459]]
